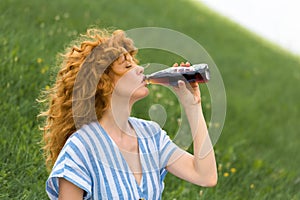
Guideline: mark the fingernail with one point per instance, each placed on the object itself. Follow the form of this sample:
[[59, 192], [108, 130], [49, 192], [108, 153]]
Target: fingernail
[[180, 83]]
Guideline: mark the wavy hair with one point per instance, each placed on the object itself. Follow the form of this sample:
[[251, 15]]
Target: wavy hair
[[83, 87]]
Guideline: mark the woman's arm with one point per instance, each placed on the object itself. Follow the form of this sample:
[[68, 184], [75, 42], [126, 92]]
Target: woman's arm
[[69, 191], [199, 168]]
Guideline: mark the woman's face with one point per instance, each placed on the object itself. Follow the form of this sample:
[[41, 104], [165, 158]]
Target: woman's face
[[129, 79]]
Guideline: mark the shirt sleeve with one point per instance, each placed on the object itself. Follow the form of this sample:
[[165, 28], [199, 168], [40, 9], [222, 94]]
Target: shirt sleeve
[[70, 165], [166, 147]]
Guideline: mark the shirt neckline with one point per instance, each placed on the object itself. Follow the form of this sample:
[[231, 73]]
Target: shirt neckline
[[139, 185]]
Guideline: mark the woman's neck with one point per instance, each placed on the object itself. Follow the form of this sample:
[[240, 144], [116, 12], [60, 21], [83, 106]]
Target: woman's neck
[[115, 121]]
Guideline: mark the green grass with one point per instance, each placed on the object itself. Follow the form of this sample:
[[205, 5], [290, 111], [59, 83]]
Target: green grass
[[257, 153]]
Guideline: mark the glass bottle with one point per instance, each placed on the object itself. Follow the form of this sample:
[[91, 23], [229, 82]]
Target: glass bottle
[[198, 73]]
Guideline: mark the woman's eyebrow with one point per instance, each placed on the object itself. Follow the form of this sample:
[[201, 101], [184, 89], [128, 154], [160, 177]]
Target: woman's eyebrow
[[122, 59]]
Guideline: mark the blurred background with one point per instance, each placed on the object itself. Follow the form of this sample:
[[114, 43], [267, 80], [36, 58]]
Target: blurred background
[[276, 21], [257, 152]]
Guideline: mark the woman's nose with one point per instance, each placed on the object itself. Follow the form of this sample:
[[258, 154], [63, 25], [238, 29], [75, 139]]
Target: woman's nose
[[140, 69]]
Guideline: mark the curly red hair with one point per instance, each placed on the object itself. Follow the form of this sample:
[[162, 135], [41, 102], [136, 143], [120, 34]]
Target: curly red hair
[[83, 87]]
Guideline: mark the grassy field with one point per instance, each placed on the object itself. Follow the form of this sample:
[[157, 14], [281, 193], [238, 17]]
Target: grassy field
[[258, 151]]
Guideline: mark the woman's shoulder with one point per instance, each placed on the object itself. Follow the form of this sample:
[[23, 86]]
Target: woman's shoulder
[[144, 123], [81, 136], [146, 129]]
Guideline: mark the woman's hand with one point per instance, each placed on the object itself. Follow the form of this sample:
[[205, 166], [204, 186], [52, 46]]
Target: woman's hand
[[189, 94]]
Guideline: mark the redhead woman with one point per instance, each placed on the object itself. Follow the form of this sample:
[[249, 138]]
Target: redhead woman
[[94, 148]]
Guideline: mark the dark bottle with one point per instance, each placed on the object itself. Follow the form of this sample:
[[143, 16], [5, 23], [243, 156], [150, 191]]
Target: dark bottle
[[198, 73]]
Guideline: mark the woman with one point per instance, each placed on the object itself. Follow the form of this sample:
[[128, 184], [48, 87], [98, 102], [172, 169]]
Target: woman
[[95, 149]]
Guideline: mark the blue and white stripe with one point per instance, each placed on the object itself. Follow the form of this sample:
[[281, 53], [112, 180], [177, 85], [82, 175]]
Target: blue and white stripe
[[91, 160]]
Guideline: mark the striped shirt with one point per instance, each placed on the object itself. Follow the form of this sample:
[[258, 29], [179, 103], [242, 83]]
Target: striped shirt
[[91, 160]]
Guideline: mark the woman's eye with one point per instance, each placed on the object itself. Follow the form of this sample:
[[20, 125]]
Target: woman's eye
[[128, 66]]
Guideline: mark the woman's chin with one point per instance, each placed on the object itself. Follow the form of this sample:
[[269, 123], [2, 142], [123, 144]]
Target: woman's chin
[[140, 94]]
